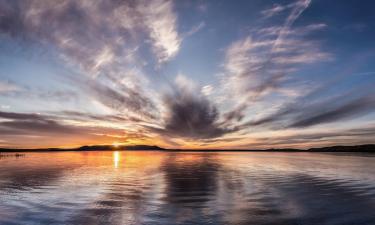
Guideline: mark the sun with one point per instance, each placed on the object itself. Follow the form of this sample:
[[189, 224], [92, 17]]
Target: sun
[[116, 144]]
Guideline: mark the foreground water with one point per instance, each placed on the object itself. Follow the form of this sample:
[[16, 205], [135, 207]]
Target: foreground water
[[187, 188]]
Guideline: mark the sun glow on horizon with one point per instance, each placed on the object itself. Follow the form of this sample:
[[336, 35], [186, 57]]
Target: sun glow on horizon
[[116, 144]]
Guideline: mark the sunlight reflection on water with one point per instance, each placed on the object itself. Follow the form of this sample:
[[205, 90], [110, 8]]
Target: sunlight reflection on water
[[116, 158], [166, 188]]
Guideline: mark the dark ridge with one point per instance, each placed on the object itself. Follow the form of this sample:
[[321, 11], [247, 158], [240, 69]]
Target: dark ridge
[[121, 147], [370, 148], [356, 148]]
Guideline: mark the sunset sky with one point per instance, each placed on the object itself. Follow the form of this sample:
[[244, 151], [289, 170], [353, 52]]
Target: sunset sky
[[250, 74]]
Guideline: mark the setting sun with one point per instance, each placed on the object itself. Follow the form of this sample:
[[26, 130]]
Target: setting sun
[[116, 144]]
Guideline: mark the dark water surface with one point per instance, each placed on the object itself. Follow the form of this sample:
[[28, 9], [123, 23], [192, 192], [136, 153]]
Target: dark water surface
[[187, 188]]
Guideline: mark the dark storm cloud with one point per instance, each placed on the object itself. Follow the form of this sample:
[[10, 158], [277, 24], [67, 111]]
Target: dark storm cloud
[[189, 114], [192, 117]]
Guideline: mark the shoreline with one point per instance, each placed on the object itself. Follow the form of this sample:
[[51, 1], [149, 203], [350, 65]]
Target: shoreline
[[369, 148]]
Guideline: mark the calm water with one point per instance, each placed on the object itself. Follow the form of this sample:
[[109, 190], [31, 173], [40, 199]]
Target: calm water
[[187, 188]]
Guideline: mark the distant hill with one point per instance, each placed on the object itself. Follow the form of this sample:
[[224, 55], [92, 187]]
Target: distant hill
[[121, 147], [357, 148]]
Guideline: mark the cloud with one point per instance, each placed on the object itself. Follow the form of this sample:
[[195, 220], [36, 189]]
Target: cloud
[[41, 94], [207, 90], [46, 125], [96, 35], [332, 112], [257, 65], [321, 138], [160, 21], [120, 99], [65, 128], [14, 90], [21, 116], [89, 117], [189, 114], [8, 87], [105, 43], [195, 29], [303, 112], [101, 39], [73, 27], [278, 8], [21, 123], [236, 114]]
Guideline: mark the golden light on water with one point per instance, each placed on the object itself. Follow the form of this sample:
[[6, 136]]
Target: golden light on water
[[116, 159]]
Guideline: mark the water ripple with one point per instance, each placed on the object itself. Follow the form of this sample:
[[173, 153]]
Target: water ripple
[[187, 188]]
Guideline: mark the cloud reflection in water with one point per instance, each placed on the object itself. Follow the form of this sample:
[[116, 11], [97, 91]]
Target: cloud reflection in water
[[187, 188]]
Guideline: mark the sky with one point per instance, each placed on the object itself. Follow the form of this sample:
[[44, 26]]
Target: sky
[[251, 74]]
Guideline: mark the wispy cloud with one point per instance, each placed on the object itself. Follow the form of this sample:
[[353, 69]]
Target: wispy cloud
[[7, 87], [121, 99], [32, 124], [304, 112], [195, 29], [161, 21], [278, 8], [257, 65]]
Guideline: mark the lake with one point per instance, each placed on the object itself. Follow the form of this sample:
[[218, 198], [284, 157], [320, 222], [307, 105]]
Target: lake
[[167, 188]]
